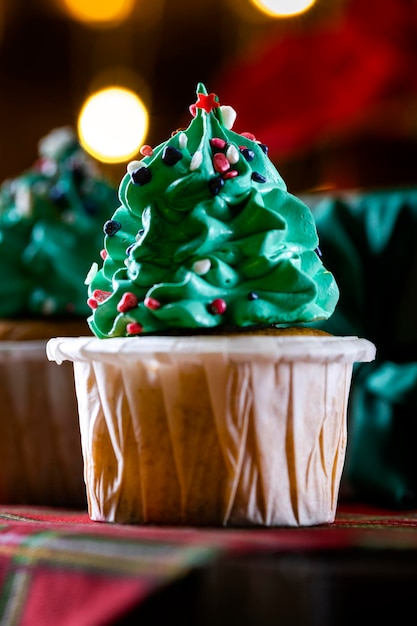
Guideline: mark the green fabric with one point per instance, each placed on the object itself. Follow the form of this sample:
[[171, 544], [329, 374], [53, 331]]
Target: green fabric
[[369, 242]]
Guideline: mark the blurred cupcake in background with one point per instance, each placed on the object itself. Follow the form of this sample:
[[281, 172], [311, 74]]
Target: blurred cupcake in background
[[50, 221]]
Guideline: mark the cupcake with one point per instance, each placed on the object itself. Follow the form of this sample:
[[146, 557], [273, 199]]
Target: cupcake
[[204, 397], [50, 217]]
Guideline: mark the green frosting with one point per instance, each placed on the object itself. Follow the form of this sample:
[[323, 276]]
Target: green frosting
[[207, 236], [50, 220]]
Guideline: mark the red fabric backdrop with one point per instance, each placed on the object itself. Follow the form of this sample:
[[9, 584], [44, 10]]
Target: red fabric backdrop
[[354, 73]]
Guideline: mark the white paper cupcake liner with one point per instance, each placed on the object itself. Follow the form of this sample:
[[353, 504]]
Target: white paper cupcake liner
[[40, 448], [230, 431]]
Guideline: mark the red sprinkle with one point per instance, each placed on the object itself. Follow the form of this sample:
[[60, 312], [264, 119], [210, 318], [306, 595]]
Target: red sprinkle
[[218, 306], [128, 301], [193, 109], [231, 174], [134, 328], [249, 136], [146, 150], [100, 295], [207, 102], [152, 303], [218, 143], [103, 253], [92, 303], [220, 162]]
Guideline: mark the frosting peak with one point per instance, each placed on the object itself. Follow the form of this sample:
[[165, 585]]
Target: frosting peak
[[207, 236]]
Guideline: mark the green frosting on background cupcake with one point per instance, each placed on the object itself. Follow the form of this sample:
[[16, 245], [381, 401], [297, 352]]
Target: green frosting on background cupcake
[[207, 236], [50, 222]]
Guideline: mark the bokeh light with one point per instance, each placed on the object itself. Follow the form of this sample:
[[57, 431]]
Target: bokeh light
[[112, 124], [99, 12], [283, 8]]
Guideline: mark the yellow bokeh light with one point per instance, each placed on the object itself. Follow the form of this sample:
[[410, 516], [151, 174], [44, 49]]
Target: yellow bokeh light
[[112, 124], [283, 8], [99, 11]]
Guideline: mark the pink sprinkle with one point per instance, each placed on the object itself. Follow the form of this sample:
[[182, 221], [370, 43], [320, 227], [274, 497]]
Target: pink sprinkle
[[134, 328], [92, 303], [146, 150], [193, 109], [100, 295], [249, 136], [231, 174], [103, 254], [128, 301], [152, 303], [218, 306], [218, 143], [220, 162], [46, 166]]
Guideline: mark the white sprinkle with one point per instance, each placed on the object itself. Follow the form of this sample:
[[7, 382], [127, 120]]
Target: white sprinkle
[[196, 160], [182, 140], [134, 165], [202, 267], [232, 154], [229, 116], [91, 274], [56, 142], [48, 306], [23, 200]]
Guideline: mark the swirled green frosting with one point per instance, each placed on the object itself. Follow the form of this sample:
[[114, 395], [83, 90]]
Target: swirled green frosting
[[207, 236], [50, 219]]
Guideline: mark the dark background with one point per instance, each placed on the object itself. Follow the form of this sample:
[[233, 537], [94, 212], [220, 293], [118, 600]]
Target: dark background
[[49, 64]]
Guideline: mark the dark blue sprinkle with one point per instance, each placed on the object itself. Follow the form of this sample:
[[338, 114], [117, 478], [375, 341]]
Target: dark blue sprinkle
[[248, 154], [142, 176], [215, 185], [263, 147], [129, 249], [59, 197], [140, 232], [252, 295], [171, 156], [78, 174], [111, 227], [258, 178]]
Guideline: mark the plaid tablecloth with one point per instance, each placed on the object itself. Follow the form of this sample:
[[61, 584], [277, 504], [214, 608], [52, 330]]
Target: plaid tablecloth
[[58, 568]]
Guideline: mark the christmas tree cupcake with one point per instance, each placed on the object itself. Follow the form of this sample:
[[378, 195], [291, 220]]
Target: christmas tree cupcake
[[51, 217], [208, 238], [205, 397]]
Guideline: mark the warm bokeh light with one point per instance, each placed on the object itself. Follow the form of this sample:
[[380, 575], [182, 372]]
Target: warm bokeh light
[[283, 8], [112, 124], [106, 12]]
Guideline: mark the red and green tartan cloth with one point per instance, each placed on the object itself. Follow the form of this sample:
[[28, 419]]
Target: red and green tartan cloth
[[58, 568]]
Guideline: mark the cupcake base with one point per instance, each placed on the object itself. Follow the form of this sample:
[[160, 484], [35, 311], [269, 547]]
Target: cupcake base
[[218, 431], [40, 448]]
